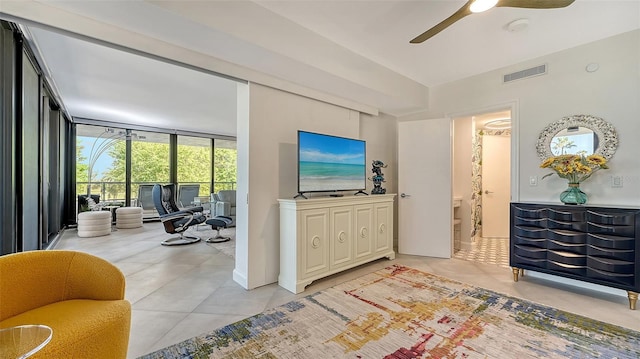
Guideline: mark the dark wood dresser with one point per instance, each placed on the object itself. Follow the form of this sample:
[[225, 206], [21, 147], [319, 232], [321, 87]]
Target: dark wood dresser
[[593, 244]]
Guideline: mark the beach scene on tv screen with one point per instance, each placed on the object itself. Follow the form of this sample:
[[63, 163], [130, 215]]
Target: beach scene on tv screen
[[328, 163]]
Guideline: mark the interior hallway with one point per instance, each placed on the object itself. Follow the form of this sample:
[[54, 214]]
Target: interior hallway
[[182, 291]]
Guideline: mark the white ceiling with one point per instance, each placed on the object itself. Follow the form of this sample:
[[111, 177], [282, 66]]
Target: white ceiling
[[357, 50], [100, 83], [381, 30]]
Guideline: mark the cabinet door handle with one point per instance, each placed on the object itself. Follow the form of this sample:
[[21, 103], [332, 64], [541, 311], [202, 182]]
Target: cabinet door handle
[[364, 232], [487, 192], [341, 237], [382, 228], [315, 242]]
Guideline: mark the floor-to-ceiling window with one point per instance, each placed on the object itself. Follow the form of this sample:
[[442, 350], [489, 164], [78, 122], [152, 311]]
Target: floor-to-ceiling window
[[8, 195], [29, 164], [225, 165], [150, 164], [100, 170], [116, 165], [33, 185], [54, 174], [194, 170]]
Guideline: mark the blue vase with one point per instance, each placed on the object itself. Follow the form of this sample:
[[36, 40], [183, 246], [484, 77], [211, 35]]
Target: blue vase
[[573, 195]]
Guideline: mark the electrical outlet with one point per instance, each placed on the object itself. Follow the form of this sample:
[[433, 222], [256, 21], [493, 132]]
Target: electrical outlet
[[533, 181], [616, 181]]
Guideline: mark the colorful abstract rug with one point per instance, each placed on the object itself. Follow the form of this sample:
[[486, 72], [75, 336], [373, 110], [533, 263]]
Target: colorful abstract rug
[[400, 312]]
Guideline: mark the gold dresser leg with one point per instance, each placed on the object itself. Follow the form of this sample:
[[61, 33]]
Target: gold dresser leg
[[522, 272], [515, 273], [633, 299]]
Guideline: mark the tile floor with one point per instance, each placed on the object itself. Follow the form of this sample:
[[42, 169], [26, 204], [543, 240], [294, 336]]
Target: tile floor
[[179, 292], [487, 250]]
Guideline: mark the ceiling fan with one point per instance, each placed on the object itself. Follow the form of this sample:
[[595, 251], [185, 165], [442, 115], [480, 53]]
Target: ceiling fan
[[476, 6]]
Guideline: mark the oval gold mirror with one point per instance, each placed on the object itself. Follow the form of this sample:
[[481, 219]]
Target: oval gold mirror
[[578, 134]]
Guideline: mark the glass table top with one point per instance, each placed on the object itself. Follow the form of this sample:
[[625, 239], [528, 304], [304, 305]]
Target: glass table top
[[23, 341]]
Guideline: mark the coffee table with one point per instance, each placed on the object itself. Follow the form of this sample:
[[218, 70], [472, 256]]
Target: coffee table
[[23, 341]]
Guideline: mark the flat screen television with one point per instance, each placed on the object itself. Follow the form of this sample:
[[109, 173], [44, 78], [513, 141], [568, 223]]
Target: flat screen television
[[330, 163]]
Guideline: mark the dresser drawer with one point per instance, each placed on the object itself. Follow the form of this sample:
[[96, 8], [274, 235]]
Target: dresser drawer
[[611, 217], [530, 252], [517, 260], [621, 254], [618, 278], [530, 232], [574, 226], [567, 258], [611, 265], [532, 242], [618, 230], [608, 241], [567, 236], [566, 215], [529, 212], [530, 222], [567, 247], [567, 268]]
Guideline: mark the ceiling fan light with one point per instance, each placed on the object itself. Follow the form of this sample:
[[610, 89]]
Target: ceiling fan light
[[482, 5]]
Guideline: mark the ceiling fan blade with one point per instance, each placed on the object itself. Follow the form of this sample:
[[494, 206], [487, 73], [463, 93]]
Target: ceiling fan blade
[[535, 4], [462, 12], [465, 10]]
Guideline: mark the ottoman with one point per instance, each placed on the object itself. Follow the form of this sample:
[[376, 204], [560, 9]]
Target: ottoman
[[94, 224], [129, 217], [218, 223]]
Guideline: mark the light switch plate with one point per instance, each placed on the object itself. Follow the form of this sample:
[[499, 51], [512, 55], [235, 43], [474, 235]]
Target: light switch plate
[[616, 181], [533, 181]]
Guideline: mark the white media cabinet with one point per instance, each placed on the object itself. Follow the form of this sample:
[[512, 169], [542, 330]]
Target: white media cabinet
[[321, 236]]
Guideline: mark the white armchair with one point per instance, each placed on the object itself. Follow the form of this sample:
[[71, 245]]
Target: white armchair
[[223, 203]]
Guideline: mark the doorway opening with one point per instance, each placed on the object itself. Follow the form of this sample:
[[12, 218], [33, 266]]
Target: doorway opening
[[481, 183]]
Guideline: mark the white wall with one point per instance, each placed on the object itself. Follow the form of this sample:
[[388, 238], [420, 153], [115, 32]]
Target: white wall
[[611, 93], [380, 134], [274, 119]]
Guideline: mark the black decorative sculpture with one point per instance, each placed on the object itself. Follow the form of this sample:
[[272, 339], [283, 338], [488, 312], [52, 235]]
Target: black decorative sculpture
[[378, 177]]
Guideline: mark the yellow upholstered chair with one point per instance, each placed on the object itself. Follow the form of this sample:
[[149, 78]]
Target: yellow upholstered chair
[[78, 295]]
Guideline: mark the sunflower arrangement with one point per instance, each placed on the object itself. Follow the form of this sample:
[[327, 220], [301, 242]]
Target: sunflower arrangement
[[574, 168]]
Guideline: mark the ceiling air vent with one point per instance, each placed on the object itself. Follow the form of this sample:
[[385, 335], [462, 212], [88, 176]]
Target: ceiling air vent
[[534, 71]]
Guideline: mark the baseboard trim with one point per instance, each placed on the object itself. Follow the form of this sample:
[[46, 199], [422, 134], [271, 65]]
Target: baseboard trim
[[240, 279], [467, 245]]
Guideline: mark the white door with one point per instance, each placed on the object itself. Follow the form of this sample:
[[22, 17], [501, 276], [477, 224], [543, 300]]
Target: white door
[[496, 191], [424, 186]]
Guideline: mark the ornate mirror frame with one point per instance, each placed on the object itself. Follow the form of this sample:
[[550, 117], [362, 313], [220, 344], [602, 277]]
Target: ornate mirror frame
[[607, 136]]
